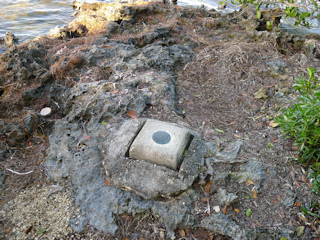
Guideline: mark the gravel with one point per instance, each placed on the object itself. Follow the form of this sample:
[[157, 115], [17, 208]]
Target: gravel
[[40, 211]]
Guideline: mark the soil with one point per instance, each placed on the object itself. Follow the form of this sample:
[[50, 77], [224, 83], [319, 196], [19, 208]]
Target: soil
[[215, 96]]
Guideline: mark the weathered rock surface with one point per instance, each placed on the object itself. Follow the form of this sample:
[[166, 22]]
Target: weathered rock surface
[[10, 39], [71, 156], [224, 198], [253, 170], [147, 179], [92, 81], [17, 132], [221, 224]]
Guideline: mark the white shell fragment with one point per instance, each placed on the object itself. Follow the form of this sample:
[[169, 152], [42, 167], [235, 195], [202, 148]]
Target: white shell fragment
[[216, 209], [45, 112]]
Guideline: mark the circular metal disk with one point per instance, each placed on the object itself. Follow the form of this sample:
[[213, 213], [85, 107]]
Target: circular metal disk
[[161, 137]]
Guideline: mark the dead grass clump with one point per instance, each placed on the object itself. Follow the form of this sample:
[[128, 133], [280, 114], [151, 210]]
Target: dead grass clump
[[242, 58], [61, 69], [57, 69], [74, 62], [81, 41]]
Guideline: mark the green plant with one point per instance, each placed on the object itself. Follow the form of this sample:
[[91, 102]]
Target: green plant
[[312, 210], [302, 122], [314, 174], [307, 86], [301, 11]]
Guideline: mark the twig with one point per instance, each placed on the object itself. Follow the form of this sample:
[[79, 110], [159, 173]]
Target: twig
[[84, 128], [17, 172], [57, 104]]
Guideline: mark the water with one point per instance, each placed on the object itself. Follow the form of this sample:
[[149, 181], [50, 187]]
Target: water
[[31, 18], [27, 19]]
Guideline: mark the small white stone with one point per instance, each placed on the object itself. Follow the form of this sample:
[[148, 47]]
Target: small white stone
[[216, 209], [45, 112]]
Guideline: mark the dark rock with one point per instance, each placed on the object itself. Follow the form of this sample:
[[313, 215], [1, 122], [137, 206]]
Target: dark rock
[[15, 132], [46, 79], [74, 30], [158, 33], [3, 151], [312, 48], [220, 178], [265, 233], [231, 152], [221, 224], [276, 67], [253, 170], [111, 28], [30, 122], [2, 179], [26, 63], [290, 199], [102, 40], [224, 198], [170, 2], [18, 132]]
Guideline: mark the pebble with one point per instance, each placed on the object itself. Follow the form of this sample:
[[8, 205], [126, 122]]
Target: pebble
[[45, 112]]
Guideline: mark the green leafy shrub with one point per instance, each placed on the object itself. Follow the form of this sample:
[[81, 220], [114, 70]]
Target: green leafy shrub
[[301, 11], [302, 122]]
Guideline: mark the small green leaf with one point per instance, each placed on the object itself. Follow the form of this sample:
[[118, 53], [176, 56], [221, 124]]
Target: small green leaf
[[310, 71], [299, 230], [41, 231], [269, 117], [258, 14], [248, 212], [292, 14], [219, 131], [221, 2], [103, 122], [283, 238], [305, 15], [270, 145], [185, 153], [246, 196], [197, 95]]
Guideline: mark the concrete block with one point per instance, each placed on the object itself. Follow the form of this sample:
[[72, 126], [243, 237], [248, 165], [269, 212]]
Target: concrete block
[[160, 143]]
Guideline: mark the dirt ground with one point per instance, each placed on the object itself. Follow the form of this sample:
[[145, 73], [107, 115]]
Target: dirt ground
[[215, 93]]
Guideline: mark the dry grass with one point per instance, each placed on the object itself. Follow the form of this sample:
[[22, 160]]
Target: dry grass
[[235, 69]]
